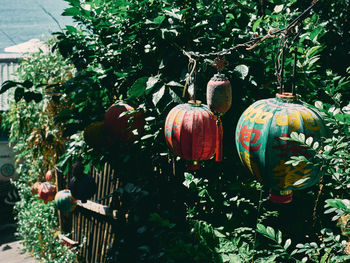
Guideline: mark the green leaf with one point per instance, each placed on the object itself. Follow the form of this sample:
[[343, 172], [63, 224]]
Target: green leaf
[[27, 84], [158, 20], [287, 244], [309, 141], [8, 85], [242, 70], [19, 93], [279, 237], [71, 29], [72, 11], [319, 105], [342, 204], [344, 118], [138, 88], [256, 24], [302, 137], [278, 8], [157, 96], [151, 83], [315, 32], [271, 232], [294, 136]]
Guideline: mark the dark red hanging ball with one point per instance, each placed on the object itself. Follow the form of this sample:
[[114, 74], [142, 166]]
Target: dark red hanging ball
[[219, 94], [121, 121]]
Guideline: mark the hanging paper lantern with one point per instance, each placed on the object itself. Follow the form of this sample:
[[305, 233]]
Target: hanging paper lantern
[[121, 124], [35, 188], [49, 176], [264, 153], [96, 135], [219, 94], [65, 201], [82, 187], [47, 191], [190, 132], [219, 99]]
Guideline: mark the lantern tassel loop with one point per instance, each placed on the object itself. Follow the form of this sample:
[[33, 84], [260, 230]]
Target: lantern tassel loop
[[219, 135]]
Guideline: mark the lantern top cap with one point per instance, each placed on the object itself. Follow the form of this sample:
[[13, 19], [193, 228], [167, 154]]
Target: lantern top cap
[[195, 102], [219, 77], [287, 95]]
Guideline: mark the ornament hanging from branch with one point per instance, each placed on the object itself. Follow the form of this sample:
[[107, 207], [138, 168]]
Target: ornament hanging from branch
[[190, 132], [219, 99]]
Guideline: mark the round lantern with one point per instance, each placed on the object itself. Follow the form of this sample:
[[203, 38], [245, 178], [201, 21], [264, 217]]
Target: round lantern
[[219, 99], [96, 135], [121, 124], [35, 188], [65, 201], [264, 153], [190, 132], [47, 191], [82, 187]]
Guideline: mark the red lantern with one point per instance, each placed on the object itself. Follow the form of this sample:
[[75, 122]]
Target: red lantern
[[219, 99], [190, 132], [47, 191], [121, 124]]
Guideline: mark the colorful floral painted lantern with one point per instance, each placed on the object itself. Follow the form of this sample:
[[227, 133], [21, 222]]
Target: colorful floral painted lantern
[[65, 201], [121, 124], [47, 191], [190, 132], [219, 99], [264, 153]]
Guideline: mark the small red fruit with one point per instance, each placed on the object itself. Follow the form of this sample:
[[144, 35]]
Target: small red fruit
[[49, 176]]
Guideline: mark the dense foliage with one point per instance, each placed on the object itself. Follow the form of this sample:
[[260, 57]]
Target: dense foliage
[[133, 51], [38, 142]]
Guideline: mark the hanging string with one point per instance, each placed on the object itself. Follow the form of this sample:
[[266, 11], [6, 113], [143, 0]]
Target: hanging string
[[192, 63]]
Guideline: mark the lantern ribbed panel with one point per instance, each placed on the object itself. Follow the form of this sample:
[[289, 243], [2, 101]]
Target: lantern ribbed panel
[[262, 151], [190, 132]]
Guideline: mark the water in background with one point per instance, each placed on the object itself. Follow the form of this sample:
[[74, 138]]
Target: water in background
[[22, 20]]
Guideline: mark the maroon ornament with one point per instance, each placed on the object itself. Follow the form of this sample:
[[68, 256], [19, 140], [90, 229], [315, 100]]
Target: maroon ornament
[[121, 124], [35, 188], [219, 99], [219, 94], [190, 132]]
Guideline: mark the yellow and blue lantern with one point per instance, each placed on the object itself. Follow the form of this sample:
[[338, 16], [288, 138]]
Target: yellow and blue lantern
[[264, 153]]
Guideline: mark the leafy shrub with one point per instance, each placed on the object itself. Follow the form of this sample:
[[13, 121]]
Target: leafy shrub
[[133, 51]]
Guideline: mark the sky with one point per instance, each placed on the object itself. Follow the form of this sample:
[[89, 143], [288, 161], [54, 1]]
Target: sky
[[22, 20]]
